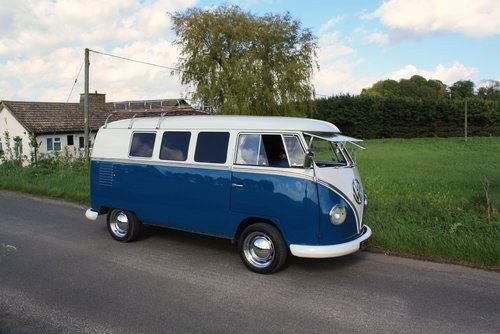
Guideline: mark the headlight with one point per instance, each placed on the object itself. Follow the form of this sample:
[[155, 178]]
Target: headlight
[[365, 204], [338, 214]]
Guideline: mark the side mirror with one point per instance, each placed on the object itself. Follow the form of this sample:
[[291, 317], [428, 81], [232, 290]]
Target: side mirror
[[308, 159]]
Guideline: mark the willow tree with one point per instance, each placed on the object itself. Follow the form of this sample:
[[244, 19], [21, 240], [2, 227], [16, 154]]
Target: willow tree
[[241, 63]]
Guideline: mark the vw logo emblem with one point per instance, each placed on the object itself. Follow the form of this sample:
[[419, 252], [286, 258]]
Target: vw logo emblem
[[356, 190]]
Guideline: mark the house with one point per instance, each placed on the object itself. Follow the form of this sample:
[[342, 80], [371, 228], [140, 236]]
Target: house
[[59, 126]]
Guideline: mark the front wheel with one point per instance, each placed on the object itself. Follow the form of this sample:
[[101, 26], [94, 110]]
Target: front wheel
[[123, 225], [262, 248]]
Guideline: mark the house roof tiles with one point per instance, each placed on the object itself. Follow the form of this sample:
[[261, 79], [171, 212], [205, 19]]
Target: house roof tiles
[[59, 117]]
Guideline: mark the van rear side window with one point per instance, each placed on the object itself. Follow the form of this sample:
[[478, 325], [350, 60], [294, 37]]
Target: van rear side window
[[174, 146], [212, 147], [142, 144]]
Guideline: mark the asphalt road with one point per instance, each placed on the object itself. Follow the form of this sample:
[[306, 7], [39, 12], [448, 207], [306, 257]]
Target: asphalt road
[[69, 276]]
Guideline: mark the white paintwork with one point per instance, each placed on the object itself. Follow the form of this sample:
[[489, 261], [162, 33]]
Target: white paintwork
[[113, 140], [319, 252], [243, 123]]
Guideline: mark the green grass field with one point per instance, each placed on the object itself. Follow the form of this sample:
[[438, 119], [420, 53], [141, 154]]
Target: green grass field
[[71, 185], [428, 198]]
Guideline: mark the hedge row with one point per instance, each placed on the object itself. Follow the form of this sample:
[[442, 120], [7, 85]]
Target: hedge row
[[378, 117]]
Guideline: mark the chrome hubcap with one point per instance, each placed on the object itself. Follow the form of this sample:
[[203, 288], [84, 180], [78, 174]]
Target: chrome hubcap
[[119, 224], [258, 249]]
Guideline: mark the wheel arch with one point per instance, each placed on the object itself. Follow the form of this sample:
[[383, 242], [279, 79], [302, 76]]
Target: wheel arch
[[253, 220]]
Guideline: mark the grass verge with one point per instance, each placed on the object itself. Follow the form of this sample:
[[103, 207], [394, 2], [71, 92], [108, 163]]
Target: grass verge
[[430, 198], [68, 184]]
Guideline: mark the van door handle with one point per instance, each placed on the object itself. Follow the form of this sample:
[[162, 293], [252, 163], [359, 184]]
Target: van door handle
[[236, 185]]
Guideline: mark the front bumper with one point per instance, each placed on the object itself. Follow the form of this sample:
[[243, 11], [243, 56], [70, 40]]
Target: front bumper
[[326, 251]]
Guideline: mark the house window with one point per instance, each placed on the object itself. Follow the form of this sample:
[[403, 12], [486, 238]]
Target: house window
[[53, 144], [81, 142], [212, 147], [70, 140], [18, 146]]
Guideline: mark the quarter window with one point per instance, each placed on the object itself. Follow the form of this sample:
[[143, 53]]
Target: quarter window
[[174, 146], [294, 151], [142, 144], [212, 147]]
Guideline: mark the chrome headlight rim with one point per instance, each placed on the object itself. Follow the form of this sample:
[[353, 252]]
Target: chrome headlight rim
[[338, 214]]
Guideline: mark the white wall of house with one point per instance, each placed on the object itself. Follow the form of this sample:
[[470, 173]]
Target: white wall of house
[[9, 123], [60, 143], [48, 144]]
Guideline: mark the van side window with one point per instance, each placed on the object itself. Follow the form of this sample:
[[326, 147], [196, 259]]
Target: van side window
[[212, 147], [276, 154], [174, 146], [251, 150], [142, 144], [270, 150]]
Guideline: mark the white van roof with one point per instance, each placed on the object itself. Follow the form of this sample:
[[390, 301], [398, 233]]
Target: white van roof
[[215, 122]]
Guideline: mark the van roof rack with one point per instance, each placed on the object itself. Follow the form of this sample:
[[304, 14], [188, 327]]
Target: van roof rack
[[150, 105], [161, 108]]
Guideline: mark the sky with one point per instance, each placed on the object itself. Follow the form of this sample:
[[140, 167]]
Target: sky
[[42, 44]]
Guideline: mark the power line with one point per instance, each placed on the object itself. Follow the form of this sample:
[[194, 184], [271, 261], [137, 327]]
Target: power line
[[173, 69], [74, 84]]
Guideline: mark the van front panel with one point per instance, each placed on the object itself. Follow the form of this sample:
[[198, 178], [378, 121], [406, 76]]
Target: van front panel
[[329, 233]]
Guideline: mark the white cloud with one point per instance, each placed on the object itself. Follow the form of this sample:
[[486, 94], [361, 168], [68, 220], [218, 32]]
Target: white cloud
[[377, 38], [329, 24], [447, 75], [337, 60], [42, 47], [337, 78], [475, 18]]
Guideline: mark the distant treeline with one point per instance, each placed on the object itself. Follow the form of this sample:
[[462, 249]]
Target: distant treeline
[[415, 108]]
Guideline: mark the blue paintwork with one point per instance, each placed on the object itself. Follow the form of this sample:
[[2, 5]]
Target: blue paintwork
[[329, 233], [203, 200], [289, 202]]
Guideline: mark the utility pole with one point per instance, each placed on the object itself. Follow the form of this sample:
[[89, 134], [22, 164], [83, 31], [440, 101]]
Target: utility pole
[[465, 119], [86, 106]]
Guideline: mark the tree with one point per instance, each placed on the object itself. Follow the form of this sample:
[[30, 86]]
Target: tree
[[415, 87], [462, 89], [490, 89], [386, 88], [244, 64]]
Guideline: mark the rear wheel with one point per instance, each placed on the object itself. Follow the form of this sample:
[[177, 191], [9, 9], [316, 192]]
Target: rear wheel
[[123, 225], [262, 248]]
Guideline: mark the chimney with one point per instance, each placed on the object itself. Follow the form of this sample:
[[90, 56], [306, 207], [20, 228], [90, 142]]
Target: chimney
[[94, 98]]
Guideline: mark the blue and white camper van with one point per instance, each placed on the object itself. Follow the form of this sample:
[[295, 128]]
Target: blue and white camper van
[[273, 185]]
